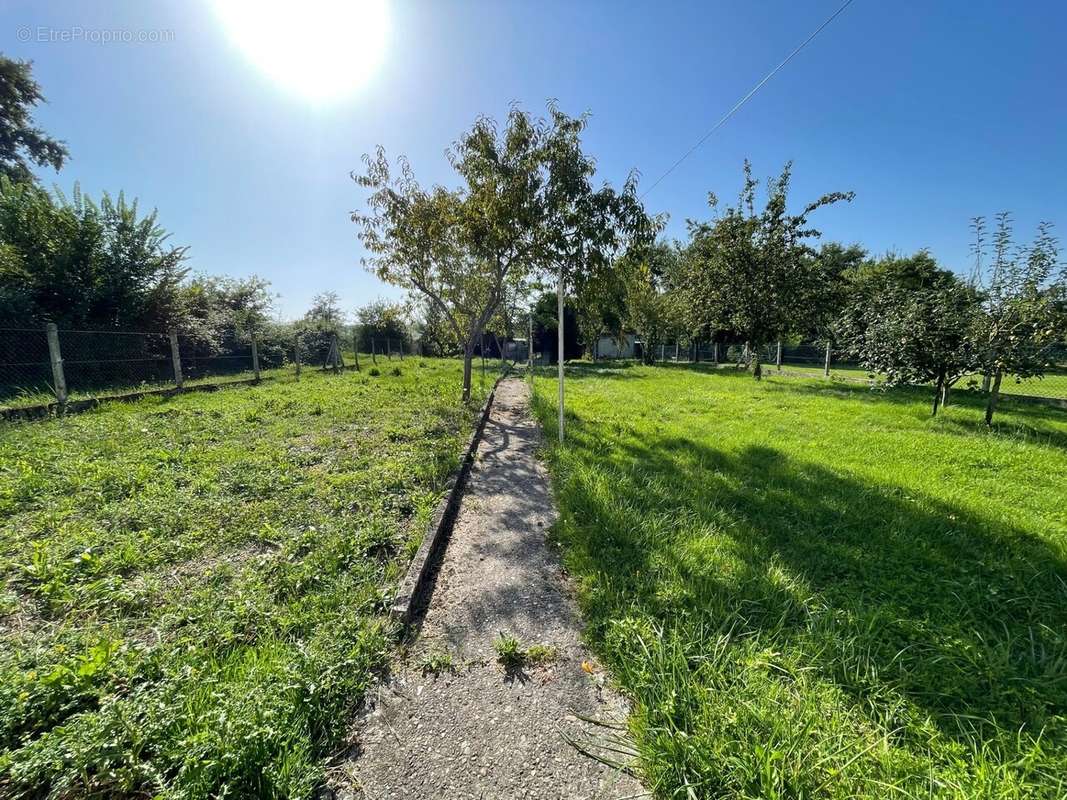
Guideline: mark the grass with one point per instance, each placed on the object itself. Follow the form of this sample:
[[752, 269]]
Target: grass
[[194, 589], [813, 590]]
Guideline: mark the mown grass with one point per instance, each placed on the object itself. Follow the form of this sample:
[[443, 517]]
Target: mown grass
[[195, 588], [813, 590]]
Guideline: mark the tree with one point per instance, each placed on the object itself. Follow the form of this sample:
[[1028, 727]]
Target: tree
[[866, 281], [1019, 324], [922, 335], [381, 321], [21, 143], [754, 273], [834, 265], [546, 328], [325, 312], [650, 307], [215, 308], [525, 205], [83, 264]]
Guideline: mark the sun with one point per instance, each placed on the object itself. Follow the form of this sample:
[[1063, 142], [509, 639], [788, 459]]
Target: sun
[[323, 50]]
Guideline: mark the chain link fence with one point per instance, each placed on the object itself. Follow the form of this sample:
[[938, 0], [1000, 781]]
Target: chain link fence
[[823, 359], [46, 365]]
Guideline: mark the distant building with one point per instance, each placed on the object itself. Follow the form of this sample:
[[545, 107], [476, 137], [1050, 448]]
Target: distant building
[[610, 347]]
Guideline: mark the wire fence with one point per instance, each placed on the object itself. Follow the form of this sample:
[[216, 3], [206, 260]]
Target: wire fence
[[815, 359], [46, 365]]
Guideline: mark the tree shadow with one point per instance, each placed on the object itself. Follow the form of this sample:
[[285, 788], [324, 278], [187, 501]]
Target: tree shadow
[[964, 616]]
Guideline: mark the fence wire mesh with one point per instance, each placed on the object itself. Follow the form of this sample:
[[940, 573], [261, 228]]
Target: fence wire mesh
[[25, 368]]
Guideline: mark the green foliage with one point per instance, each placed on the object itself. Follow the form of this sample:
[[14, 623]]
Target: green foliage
[[754, 274], [546, 328], [921, 336], [195, 588], [509, 650], [22, 144], [525, 206], [436, 661], [383, 321], [649, 277], [1020, 324], [83, 264], [820, 592]]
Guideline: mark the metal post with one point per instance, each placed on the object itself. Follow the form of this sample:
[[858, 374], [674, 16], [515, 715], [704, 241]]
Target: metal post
[[355, 348], [662, 351], [255, 357], [175, 356], [676, 351], [826, 369], [58, 378], [559, 344], [779, 358], [529, 346], [715, 352], [296, 355]]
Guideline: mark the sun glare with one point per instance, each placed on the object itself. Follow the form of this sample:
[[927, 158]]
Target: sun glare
[[321, 49]]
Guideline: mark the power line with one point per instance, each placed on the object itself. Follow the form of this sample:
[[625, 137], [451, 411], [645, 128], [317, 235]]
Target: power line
[[744, 99]]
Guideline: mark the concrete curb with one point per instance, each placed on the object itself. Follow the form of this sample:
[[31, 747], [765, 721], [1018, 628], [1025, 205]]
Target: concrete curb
[[413, 587]]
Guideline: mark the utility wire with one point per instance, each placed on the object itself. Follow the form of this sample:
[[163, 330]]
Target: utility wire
[[744, 99]]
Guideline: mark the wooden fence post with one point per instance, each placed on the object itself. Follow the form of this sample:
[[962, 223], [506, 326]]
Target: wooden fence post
[[296, 355], [335, 351], [176, 357], [355, 348], [58, 378], [779, 357], [255, 357], [826, 369], [715, 352]]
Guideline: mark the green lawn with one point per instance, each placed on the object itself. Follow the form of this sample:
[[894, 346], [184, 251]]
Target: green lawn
[[811, 590], [194, 589]]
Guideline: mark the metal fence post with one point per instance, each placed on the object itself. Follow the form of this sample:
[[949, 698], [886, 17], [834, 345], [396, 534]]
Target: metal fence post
[[826, 369], [255, 357], [676, 351], [529, 347], [58, 378], [175, 356], [778, 359], [715, 352], [355, 348], [296, 355]]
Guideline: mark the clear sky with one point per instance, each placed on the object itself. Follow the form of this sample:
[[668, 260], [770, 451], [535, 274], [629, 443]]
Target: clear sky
[[932, 112]]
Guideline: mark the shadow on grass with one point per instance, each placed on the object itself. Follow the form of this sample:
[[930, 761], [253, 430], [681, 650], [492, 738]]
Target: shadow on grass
[[965, 617]]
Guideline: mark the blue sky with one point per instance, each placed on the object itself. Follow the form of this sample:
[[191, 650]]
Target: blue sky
[[932, 112]]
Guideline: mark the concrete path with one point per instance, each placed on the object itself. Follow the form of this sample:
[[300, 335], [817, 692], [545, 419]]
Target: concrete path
[[480, 730]]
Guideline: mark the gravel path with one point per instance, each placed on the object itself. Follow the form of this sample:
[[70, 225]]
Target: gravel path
[[479, 730]]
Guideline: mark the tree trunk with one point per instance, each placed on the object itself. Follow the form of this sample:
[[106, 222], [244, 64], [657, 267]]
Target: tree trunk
[[937, 393], [468, 357], [945, 390], [757, 365], [994, 397]]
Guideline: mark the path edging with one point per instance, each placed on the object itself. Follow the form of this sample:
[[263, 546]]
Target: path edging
[[415, 581]]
